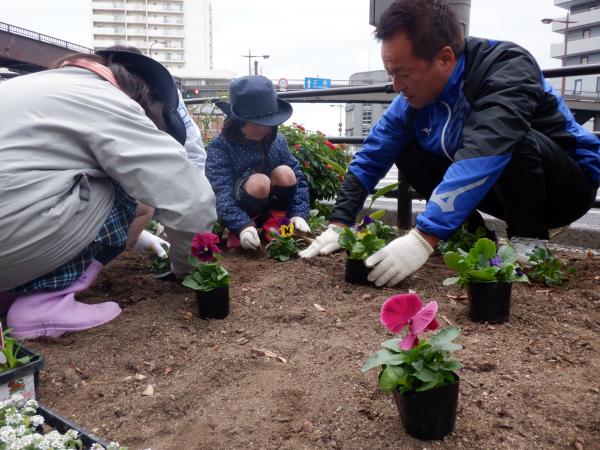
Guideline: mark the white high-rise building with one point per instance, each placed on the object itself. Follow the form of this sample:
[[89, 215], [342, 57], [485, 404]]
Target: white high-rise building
[[580, 29], [174, 32]]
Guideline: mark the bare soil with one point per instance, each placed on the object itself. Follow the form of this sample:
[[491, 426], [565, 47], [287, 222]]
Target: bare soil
[[531, 383]]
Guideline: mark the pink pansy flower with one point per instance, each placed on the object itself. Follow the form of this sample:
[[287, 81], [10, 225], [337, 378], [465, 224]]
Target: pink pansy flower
[[204, 246], [406, 310]]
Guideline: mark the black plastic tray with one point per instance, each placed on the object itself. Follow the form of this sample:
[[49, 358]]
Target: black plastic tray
[[62, 425], [34, 366]]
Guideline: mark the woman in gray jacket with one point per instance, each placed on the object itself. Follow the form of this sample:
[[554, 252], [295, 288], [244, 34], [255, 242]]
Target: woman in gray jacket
[[78, 146]]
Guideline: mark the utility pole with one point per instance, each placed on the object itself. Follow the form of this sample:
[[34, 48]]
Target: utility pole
[[250, 56], [340, 124], [567, 22]]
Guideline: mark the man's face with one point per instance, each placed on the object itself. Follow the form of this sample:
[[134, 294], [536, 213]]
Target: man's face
[[419, 80]]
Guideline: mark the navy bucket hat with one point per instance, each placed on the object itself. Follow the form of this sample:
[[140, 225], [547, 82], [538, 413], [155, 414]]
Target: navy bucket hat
[[253, 99], [159, 80]]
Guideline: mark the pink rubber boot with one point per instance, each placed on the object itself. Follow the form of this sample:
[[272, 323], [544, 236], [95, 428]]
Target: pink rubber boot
[[55, 313], [233, 241]]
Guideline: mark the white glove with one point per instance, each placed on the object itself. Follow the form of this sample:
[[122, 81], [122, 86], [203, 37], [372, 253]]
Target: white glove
[[400, 258], [249, 238], [300, 224], [324, 244], [147, 242]]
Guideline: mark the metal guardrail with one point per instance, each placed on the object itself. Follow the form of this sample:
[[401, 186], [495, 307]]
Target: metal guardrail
[[44, 38], [308, 93], [386, 88]]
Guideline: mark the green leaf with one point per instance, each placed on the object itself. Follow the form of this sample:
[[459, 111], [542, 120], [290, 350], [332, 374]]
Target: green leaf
[[372, 244], [23, 360], [392, 344], [426, 375], [427, 386], [194, 262], [442, 340], [486, 248], [451, 365], [382, 191], [383, 357], [191, 283], [335, 165], [377, 215], [346, 239], [507, 254], [487, 274], [455, 261], [418, 365], [391, 377], [358, 251]]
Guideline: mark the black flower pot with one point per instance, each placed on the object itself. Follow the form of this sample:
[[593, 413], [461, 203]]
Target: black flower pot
[[213, 304], [429, 415], [357, 272], [489, 302]]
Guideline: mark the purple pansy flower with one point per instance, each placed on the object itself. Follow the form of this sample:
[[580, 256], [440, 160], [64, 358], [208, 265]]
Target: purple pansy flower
[[365, 223], [495, 261], [204, 246]]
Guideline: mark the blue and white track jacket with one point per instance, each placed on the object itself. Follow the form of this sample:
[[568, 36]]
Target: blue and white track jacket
[[495, 95]]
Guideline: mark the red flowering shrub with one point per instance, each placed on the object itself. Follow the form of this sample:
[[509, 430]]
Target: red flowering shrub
[[324, 164]]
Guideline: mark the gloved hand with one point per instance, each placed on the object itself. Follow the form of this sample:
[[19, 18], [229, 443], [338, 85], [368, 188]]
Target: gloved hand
[[147, 243], [400, 258], [249, 238], [325, 243], [300, 224]]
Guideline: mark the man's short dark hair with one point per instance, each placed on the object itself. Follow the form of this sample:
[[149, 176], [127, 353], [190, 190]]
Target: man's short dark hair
[[429, 24]]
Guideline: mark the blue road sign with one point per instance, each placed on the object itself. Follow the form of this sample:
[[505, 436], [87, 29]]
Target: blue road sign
[[317, 83]]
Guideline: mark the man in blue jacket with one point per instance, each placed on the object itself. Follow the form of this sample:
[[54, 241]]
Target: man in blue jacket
[[477, 127]]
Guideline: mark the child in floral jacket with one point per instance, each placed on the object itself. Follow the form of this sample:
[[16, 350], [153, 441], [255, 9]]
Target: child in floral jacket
[[255, 178]]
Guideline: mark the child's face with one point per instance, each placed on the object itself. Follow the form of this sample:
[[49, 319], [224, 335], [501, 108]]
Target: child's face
[[255, 132]]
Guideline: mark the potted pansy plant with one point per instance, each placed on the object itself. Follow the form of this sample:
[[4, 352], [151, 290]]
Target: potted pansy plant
[[488, 275], [360, 242], [208, 277], [283, 245], [419, 372]]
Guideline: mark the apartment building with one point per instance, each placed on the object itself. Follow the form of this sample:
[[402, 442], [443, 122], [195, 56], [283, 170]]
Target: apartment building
[[174, 32], [360, 117], [580, 29]]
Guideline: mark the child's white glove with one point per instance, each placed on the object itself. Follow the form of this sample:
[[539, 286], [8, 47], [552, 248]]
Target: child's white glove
[[400, 258], [300, 224], [147, 243], [325, 243], [249, 238]]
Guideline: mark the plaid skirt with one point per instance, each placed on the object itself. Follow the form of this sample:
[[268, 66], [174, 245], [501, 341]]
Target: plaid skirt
[[113, 233]]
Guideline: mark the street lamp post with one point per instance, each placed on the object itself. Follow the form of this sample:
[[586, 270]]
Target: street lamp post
[[567, 22], [250, 56], [340, 122]]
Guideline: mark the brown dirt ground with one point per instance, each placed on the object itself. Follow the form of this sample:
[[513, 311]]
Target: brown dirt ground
[[532, 383]]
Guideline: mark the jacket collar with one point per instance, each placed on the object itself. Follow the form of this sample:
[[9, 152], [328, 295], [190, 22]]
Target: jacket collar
[[454, 83]]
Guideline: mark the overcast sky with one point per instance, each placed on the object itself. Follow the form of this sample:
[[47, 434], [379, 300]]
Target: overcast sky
[[304, 38]]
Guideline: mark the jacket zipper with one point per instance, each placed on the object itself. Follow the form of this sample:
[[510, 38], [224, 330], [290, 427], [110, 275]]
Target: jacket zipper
[[443, 136]]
